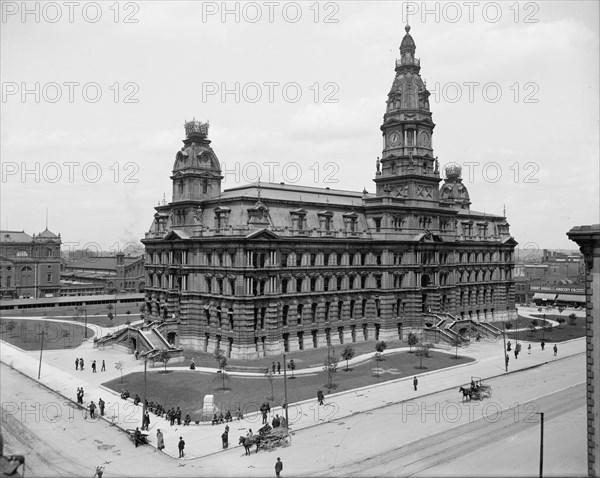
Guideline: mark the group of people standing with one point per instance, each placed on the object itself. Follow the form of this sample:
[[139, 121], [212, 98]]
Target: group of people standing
[[80, 363]]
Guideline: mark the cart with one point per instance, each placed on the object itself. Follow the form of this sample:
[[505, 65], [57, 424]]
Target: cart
[[480, 390]]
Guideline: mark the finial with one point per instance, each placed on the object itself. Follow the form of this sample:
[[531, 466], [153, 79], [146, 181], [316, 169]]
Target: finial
[[504, 210], [259, 189], [407, 27]]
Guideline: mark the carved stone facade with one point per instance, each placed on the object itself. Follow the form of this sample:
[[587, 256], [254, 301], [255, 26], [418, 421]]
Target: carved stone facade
[[588, 240], [265, 268]]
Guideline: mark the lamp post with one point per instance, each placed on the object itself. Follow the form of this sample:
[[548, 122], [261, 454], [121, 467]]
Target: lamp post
[[285, 397], [541, 414], [41, 350], [504, 354], [85, 327]]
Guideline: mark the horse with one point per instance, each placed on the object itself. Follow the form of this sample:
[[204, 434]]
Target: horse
[[467, 392], [248, 442]]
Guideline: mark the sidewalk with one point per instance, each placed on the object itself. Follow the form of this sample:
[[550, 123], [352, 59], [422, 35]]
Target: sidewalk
[[58, 373]]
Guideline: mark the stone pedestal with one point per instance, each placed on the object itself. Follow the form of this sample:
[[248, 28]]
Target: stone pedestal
[[209, 404]]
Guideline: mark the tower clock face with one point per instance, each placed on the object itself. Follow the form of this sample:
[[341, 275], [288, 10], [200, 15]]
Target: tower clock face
[[424, 138], [394, 139]]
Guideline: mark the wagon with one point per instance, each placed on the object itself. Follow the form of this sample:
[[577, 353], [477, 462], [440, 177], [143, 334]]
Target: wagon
[[479, 390], [143, 440], [276, 437]]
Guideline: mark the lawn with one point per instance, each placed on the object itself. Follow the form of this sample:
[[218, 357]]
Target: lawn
[[26, 334], [560, 333], [186, 389], [302, 358]]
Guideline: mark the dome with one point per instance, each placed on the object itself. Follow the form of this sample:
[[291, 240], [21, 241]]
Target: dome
[[453, 190]]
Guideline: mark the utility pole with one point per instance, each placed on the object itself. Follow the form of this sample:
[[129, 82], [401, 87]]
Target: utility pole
[[541, 414], [285, 397], [41, 350], [85, 328], [504, 349], [144, 406]]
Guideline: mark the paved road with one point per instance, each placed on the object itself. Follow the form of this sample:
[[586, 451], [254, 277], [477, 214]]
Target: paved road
[[370, 443]]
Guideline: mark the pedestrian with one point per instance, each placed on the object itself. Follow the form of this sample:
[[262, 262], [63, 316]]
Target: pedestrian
[[181, 446], [137, 437], [263, 410], [273, 367], [320, 398], [92, 409], [99, 472], [81, 364], [278, 467], [101, 407], [103, 369], [192, 365], [76, 364], [516, 353], [172, 416], [506, 360], [160, 441], [93, 366], [146, 421], [279, 368], [225, 437], [178, 416], [542, 344], [415, 383], [555, 350], [529, 349]]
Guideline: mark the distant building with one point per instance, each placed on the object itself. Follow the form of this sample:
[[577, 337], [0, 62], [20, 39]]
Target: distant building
[[103, 274], [588, 239], [267, 268], [29, 265]]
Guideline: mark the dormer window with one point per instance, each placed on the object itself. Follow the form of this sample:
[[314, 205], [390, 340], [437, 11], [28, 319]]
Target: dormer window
[[351, 222], [298, 220], [326, 220]]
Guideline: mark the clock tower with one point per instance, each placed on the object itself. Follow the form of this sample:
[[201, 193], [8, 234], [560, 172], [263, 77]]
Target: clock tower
[[408, 168]]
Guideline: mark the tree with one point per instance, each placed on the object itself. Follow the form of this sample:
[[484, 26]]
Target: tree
[[163, 356], [561, 321], [120, 365], [292, 367], [269, 377], [456, 341], [380, 346], [508, 325], [412, 340], [423, 350], [377, 358], [221, 359], [572, 319], [330, 366], [110, 308], [348, 354]]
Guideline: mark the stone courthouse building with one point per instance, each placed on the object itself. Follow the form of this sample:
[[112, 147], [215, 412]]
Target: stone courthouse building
[[267, 268]]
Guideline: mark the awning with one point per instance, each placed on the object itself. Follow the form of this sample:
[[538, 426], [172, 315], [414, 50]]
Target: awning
[[542, 296], [571, 298]]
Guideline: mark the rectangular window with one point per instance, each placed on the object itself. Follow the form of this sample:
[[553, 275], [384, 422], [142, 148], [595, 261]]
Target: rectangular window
[[284, 259], [49, 276], [377, 224]]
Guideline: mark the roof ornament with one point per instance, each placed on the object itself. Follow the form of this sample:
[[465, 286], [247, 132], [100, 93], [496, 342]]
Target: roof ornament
[[259, 189]]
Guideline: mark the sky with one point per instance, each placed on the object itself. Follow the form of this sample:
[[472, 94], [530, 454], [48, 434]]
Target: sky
[[95, 96]]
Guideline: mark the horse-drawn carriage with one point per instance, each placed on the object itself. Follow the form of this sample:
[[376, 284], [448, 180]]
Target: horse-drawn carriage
[[267, 438], [477, 390]]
